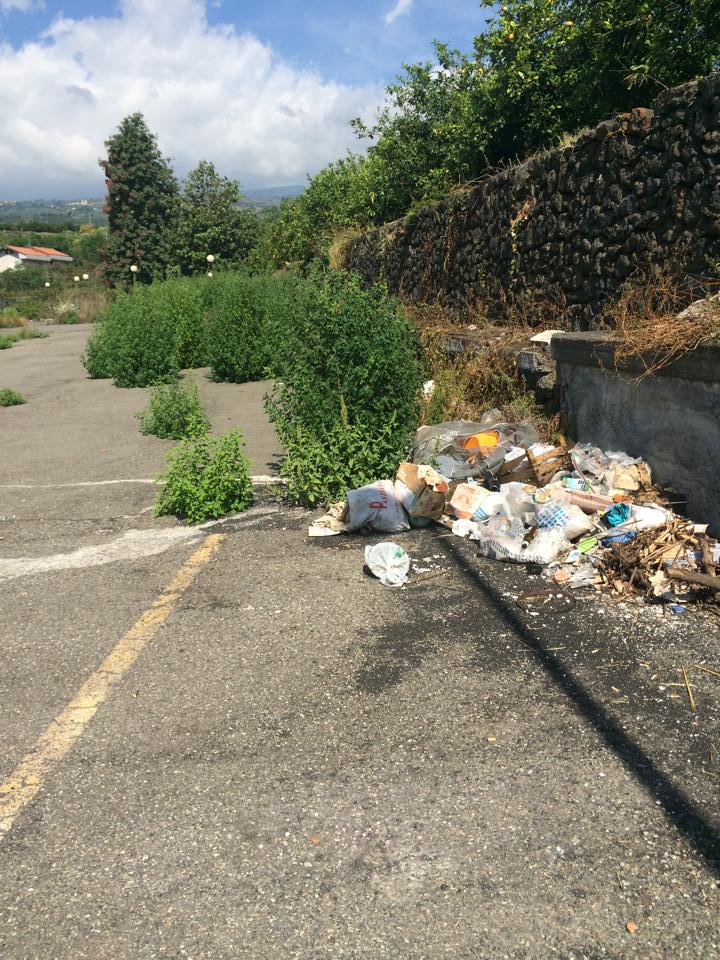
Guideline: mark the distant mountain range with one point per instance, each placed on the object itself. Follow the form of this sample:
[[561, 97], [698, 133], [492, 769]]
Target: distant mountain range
[[90, 211], [266, 196]]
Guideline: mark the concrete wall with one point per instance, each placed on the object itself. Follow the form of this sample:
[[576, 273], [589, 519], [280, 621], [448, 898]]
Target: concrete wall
[[671, 419], [570, 224]]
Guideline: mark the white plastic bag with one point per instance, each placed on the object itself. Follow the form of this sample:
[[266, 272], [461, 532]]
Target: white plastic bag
[[388, 562], [546, 546], [377, 508], [556, 513], [650, 517], [465, 528]]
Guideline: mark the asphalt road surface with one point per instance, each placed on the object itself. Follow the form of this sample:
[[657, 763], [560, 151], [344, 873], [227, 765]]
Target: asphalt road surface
[[230, 742]]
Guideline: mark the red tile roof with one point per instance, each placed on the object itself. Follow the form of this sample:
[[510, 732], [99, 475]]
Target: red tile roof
[[39, 252]]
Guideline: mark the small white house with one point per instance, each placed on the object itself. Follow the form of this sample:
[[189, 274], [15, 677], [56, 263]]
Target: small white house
[[11, 257]]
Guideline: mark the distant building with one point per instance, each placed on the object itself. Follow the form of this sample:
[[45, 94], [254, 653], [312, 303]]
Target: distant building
[[11, 257]]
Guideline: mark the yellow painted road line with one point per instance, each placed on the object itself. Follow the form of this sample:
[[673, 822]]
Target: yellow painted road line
[[22, 786]]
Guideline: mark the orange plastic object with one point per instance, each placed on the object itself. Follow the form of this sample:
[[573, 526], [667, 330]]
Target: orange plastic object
[[483, 441]]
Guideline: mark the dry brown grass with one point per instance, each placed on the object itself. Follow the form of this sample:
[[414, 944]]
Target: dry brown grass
[[83, 305], [12, 318], [653, 325], [337, 252]]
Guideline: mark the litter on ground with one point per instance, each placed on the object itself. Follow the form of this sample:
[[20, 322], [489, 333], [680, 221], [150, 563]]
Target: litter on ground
[[589, 518]]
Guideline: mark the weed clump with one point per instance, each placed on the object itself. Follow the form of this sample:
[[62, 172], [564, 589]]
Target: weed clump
[[148, 335], [174, 411], [11, 317], [7, 340], [11, 398], [346, 405], [207, 477]]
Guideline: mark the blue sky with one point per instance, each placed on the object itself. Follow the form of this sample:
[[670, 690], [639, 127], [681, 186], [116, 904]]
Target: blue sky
[[265, 90], [348, 42]]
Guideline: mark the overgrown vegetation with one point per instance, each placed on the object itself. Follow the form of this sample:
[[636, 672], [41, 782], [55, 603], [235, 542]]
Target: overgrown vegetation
[[8, 340], [149, 334], [467, 386], [653, 325], [347, 404], [345, 360], [174, 412], [238, 344], [10, 398], [12, 317], [541, 70], [207, 477]]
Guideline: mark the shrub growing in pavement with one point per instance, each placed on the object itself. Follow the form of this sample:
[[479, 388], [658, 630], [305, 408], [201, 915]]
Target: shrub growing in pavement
[[174, 411], [207, 477], [353, 358], [96, 358], [237, 345], [347, 403], [148, 335], [321, 469], [10, 398]]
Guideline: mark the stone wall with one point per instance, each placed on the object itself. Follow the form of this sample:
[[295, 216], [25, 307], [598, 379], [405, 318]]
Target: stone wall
[[572, 224]]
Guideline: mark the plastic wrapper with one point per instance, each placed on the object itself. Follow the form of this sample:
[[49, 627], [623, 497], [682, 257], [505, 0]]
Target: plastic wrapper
[[546, 546], [388, 562], [443, 444]]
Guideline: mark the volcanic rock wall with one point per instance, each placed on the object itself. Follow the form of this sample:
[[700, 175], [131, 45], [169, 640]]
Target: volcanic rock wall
[[570, 225]]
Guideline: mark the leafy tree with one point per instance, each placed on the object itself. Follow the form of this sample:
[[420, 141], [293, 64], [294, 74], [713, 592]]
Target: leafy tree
[[553, 66], [212, 222], [541, 69], [306, 224], [141, 204]]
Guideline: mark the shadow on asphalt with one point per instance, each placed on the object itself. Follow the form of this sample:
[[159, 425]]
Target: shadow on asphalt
[[678, 807]]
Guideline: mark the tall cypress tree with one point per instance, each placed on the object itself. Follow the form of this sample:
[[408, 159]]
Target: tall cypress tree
[[141, 204]]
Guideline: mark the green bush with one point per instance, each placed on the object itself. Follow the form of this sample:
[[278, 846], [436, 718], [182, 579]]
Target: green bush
[[96, 358], [184, 302], [237, 346], [150, 334], [321, 469], [347, 404], [10, 398], [207, 477], [174, 411], [7, 340], [353, 359], [139, 340]]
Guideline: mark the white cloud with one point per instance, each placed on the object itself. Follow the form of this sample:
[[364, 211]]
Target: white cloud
[[400, 8], [206, 91], [24, 6]]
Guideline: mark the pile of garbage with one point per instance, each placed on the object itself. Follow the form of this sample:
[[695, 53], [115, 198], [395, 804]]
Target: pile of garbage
[[589, 518]]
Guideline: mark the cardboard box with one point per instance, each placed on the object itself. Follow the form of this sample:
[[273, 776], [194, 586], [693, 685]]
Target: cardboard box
[[421, 490], [467, 500]]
